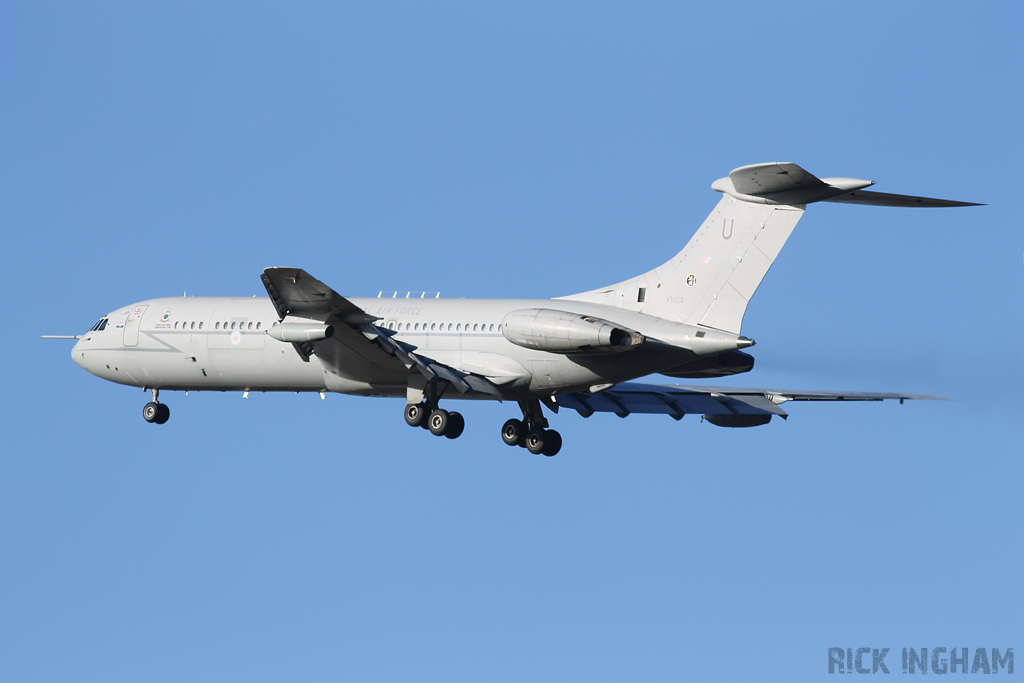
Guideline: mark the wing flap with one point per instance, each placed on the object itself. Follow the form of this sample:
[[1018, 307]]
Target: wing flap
[[678, 400]]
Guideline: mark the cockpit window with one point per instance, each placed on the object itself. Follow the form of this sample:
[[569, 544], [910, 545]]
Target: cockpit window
[[99, 326]]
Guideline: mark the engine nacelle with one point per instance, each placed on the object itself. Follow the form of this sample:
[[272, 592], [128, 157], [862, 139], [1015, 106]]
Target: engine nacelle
[[545, 329], [300, 332], [720, 365]]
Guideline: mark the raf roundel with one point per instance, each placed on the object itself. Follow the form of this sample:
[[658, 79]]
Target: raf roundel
[[236, 337]]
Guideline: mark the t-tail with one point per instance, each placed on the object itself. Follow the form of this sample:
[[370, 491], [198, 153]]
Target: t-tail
[[710, 282]]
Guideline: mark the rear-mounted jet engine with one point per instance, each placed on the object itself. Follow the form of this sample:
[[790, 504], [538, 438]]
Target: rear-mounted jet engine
[[545, 329]]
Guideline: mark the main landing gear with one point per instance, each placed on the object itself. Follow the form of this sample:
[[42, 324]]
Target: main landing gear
[[531, 432], [154, 411], [439, 421]]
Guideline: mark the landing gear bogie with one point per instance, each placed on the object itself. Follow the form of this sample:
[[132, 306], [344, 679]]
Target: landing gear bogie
[[438, 421], [531, 432]]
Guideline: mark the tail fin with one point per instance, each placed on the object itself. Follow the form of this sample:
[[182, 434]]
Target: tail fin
[[712, 279]]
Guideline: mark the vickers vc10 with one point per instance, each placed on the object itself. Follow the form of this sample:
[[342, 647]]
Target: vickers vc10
[[682, 319]]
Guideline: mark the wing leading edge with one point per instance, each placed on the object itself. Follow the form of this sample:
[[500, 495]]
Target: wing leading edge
[[358, 349]]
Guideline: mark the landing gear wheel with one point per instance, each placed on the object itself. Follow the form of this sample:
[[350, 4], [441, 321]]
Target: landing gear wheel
[[415, 414], [456, 424], [151, 411], [552, 443], [438, 422], [535, 441], [163, 413], [512, 432]]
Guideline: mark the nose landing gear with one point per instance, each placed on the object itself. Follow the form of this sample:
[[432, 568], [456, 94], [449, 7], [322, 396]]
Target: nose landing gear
[[156, 412]]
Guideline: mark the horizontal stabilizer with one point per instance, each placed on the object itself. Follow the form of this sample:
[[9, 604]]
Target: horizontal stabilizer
[[886, 199], [785, 183]]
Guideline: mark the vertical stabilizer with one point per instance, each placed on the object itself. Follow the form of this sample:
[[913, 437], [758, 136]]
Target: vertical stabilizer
[[712, 279]]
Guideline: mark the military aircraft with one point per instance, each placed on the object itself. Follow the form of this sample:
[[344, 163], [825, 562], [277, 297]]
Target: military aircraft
[[682, 319]]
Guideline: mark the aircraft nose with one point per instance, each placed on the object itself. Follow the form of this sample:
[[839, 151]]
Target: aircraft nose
[[77, 355]]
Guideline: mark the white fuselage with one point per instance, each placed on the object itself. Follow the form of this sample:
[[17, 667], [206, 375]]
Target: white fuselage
[[220, 344]]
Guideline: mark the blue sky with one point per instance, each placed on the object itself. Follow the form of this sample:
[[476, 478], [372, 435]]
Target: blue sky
[[506, 151]]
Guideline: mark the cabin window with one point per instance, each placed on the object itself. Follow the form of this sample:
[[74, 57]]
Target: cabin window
[[175, 325], [216, 326], [432, 327], [449, 327], [232, 325], [458, 328], [492, 327], [257, 325], [200, 325], [193, 326], [640, 294], [474, 327]]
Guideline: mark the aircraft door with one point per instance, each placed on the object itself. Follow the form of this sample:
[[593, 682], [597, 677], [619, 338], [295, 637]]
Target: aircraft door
[[132, 324]]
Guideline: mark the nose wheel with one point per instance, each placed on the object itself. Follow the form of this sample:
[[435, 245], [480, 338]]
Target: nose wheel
[[156, 412]]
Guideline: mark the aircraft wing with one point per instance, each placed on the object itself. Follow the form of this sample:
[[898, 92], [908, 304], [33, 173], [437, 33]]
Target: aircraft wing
[[297, 294], [711, 402], [358, 349]]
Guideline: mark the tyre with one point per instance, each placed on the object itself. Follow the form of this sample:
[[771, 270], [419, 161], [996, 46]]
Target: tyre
[[415, 414], [150, 412], [552, 443], [456, 425], [535, 441], [438, 422], [163, 413], [512, 432]]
